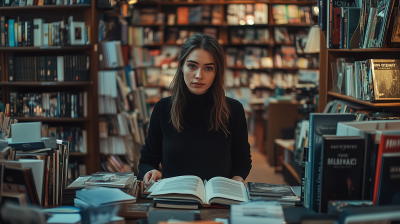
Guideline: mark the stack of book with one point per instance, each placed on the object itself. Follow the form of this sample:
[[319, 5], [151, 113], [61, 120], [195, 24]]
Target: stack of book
[[37, 175], [284, 194], [126, 182], [242, 14]]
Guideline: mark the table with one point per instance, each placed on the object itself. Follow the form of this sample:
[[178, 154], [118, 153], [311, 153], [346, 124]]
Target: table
[[205, 213]]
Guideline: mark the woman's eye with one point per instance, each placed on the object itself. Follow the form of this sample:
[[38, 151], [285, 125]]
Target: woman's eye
[[191, 66], [209, 68]]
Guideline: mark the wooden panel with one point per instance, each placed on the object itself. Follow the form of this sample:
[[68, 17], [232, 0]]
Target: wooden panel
[[281, 115], [323, 73]]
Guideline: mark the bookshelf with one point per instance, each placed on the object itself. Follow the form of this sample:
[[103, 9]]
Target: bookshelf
[[328, 55], [53, 13]]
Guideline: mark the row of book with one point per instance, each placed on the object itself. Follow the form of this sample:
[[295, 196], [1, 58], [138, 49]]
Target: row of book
[[76, 136], [16, 33], [289, 14], [37, 175], [359, 24], [242, 14], [358, 154], [113, 28], [370, 80], [249, 35], [5, 3], [362, 112], [48, 68], [184, 15], [53, 104], [117, 163], [111, 55]]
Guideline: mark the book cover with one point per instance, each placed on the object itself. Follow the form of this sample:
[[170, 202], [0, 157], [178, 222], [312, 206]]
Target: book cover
[[28, 25], [341, 169], [265, 189], [389, 185], [182, 15], [388, 144], [385, 79], [385, 9], [320, 124], [10, 67], [353, 17]]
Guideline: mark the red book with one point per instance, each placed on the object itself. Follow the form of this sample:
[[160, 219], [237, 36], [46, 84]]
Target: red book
[[336, 27], [388, 144], [183, 15]]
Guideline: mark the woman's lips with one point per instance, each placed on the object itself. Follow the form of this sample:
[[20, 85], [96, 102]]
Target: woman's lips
[[198, 84]]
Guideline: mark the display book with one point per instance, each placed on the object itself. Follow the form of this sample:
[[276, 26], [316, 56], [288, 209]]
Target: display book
[[190, 192], [41, 2], [282, 193], [37, 174], [356, 24], [369, 80], [37, 33]]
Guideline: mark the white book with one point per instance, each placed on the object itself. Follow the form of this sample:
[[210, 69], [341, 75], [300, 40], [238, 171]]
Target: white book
[[205, 192], [26, 32], [84, 147], [38, 32], [111, 54], [37, 167], [60, 68], [45, 34], [29, 2]]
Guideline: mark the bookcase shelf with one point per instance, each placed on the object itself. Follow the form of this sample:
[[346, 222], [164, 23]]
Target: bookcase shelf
[[344, 97], [52, 48], [46, 7], [364, 50], [223, 2], [78, 154], [272, 68], [42, 84], [52, 119]]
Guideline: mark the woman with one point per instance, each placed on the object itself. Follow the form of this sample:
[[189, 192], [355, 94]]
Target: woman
[[197, 131]]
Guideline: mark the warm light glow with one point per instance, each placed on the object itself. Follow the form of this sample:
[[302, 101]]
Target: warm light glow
[[250, 22], [316, 10], [131, 2], [242, 22]]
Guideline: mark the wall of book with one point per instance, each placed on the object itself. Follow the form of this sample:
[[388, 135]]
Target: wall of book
[[47, 71], [264, 42], [123, 110]]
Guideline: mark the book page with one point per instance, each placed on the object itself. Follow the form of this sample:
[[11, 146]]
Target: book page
[[191, 185], [225, 188]]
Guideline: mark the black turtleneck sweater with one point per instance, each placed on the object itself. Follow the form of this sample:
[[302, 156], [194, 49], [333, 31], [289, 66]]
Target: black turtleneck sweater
[[196, 150]]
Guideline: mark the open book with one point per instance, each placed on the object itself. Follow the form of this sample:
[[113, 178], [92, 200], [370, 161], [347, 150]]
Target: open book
[[219, 190]]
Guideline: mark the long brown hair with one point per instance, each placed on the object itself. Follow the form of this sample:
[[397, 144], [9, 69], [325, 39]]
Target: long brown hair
[[219, 113]]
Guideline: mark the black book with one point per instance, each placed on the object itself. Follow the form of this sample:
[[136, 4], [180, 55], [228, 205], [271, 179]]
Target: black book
[[47, 2], [87, 68], [43, 70], [54, 75], [2, 31], [49, 70], [341, 169], [29, 39], [13, 103], [369, 170], [303, 174], [20, 105], [10, 67], [389, 185], [295, 215], [80, 104], [68, 104], [265, 189]]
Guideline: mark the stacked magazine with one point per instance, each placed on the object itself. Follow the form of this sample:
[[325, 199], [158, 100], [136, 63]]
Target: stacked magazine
[[282, 193]]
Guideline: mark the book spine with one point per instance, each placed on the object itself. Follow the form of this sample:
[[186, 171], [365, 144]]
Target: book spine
[[21, 28], [10, 67], [11, 33], [336, 28], [341, 41], [2, 31], [28, 33], [13, 102], [45, 34], [309, 170], [303, 176], [6, 34], [346, 33]]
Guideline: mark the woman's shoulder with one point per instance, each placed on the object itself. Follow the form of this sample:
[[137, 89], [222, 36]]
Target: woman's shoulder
[[163, 104], [234, 105]]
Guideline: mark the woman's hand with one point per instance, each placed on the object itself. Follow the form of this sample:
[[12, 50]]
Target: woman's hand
[[151, 176], [239, 178]]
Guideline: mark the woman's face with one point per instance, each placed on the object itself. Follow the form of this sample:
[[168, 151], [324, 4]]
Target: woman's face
[[199, 71]]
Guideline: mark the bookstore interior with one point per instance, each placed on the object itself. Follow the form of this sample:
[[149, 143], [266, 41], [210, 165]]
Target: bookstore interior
[[78, 92]]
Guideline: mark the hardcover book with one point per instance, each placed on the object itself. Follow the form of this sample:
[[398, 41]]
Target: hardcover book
[[320, 124], [389, 185], [341, 169], [385, 80], [388, 144]]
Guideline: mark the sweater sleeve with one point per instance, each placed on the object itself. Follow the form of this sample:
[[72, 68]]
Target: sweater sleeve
[[241, 157], [151, 153]]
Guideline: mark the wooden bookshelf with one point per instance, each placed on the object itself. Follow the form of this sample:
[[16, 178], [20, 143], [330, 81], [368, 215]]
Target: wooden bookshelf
[[329, 55], [351, 99], [43, 84], [283, 2], [45, 7], [78, 154], [53, 119], [50, 13]]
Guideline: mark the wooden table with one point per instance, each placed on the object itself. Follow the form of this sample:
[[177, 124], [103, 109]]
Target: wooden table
[[205, 213]]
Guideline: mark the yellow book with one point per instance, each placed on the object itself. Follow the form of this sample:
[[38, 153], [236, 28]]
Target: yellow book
[[50, 34]]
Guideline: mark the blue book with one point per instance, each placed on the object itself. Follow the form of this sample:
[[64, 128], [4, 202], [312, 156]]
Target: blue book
[[11, 33], [320, 124]]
